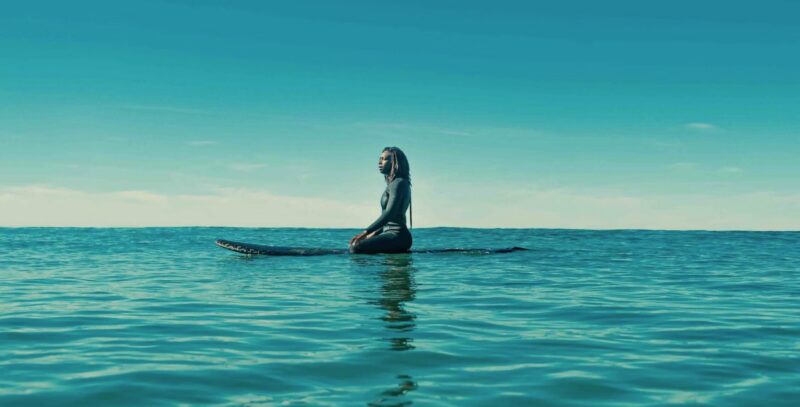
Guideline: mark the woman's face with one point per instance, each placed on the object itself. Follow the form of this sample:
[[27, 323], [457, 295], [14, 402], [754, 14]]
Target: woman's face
[[385, 163]]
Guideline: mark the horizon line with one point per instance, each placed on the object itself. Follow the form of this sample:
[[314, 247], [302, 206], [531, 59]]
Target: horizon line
[[424, 227]]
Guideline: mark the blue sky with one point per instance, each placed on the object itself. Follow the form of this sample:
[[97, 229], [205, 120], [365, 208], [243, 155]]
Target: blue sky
[[582, 114]]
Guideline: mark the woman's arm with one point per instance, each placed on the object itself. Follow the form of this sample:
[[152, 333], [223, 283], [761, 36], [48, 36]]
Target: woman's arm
[[398, 189]]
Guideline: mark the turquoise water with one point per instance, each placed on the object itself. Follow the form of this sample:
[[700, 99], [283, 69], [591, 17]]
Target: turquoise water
[[160, 316]]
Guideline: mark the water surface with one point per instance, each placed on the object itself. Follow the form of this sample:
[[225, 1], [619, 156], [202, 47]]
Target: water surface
[[160, 316]]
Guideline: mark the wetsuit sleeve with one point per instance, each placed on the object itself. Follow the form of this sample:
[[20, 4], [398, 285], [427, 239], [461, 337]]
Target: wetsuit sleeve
[[398, 189]]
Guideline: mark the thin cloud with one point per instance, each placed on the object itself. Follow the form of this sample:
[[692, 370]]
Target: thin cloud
[[682, 166], [38, 189], [165, 109], [413, 128], [660, 143], [10, 136], [141, 196], [201, 143], [116, 138], [731, 170], [700, 126], [473, 132], [246, 167], [450, 132]]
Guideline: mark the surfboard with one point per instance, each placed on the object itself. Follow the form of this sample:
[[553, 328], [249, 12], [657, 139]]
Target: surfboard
[[253, 249]]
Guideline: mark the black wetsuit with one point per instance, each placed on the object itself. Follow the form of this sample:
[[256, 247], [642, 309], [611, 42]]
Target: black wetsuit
[[394, 236]]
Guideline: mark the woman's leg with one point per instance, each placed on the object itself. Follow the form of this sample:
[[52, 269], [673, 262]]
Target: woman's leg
[[387, 242]]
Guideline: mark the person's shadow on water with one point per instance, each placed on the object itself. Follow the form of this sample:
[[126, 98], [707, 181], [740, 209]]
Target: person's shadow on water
[[397, 288]]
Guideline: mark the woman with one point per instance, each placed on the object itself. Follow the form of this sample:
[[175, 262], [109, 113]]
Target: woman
[[389, 234]]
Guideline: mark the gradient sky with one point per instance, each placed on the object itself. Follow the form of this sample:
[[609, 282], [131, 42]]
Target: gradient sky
[[577, 114]]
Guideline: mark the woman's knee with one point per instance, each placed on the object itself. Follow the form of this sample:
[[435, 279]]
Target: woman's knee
[[370, 245], [360, 247]]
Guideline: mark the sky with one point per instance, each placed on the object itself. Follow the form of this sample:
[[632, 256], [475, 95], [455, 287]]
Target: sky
[[574, 114]]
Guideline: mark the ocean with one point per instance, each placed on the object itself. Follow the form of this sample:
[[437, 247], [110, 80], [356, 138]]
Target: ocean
[[161, 316]]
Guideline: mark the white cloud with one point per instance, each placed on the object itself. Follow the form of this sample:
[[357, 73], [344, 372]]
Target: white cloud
[[700, 126], [37, 205], [502, 206]]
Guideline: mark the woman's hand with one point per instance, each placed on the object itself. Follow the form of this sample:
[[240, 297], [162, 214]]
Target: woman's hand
[[357, 238]]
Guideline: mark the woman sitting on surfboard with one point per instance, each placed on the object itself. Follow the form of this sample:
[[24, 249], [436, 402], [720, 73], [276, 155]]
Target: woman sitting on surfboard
[[389, 234]]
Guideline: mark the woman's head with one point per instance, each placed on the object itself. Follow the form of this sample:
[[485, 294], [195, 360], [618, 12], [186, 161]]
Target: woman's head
[[394, 164]]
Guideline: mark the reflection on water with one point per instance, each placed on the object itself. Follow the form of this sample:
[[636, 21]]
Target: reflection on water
[[397, 288], [389, 397]]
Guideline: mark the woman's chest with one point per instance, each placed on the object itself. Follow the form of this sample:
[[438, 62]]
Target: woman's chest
[[385, 198]]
